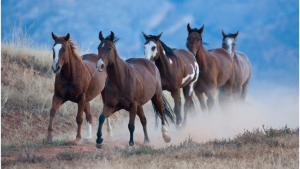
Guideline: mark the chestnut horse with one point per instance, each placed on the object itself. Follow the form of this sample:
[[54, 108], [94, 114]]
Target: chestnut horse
[[215, 69], [241, 67], [76, 80], [129, 85], [178, 69]]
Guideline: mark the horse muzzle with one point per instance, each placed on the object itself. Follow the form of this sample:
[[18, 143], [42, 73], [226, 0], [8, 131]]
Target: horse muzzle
[[56, 70], [100, 66]]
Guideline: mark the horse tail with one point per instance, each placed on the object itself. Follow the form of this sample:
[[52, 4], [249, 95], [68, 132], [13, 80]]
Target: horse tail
[[169, 114], [192, 103]]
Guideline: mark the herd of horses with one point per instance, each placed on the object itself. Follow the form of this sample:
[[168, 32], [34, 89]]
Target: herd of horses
[[132, 83]]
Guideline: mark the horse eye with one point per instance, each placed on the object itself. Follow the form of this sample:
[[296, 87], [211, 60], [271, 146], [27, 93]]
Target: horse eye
[[64, 49], [153, 48], [109, 48], [233, 43]]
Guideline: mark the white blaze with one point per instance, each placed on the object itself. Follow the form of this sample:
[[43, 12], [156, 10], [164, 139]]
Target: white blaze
[[103, 44], [170, 60], [229, 42], [148, 50], [56, 48]]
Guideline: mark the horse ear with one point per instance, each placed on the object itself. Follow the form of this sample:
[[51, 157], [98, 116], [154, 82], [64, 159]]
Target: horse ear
[[189, 27], [67, 37], [101, 38], [158, 37], [145, 36], [201, 29], [235, 35], [223, 33], [112, 36], [54, 36]]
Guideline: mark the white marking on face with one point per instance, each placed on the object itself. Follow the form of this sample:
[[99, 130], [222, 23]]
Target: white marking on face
[[170, 60], [56, 48], [148, 50], [189, 76], [103, 44], [164, 52], [89, 131], [229, 42], [192, 83], [99, 63]]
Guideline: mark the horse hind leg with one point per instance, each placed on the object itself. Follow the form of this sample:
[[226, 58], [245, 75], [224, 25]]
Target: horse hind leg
[[109, 130], [244, 90], [158, 104], [189, 104], [140, 113], [177, 108]]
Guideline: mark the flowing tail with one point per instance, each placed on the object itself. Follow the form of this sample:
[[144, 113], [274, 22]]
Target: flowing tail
[[169, 114]]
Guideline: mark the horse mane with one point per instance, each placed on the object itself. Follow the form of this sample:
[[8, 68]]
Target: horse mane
[[196, 30], [115, 40], [74, 47], [168, 50], [230, 35]]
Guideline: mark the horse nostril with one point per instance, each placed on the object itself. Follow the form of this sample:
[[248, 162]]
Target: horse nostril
[[102, 67]]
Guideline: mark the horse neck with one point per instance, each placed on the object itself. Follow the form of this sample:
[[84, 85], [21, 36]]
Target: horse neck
[[202, 57], [163, 64], [116, 71], [72, 67]]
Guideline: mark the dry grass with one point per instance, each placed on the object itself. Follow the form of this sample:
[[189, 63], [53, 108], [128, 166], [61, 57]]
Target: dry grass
[[251, 149]]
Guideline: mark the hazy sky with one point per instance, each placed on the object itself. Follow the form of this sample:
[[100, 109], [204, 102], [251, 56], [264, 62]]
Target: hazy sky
[[269, 30]]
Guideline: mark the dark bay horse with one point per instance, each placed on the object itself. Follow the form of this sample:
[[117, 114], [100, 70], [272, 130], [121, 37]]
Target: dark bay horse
[[76, 80], [129, 85], [241, 66], [178, 69], [215, 69]]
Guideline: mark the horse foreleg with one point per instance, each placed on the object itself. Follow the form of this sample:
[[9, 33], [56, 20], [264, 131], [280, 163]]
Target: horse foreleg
[[201, 99], [89, 119], [107, 111], [79, 119], [132, 114], [109, 128], [210, 97], [56, 103]]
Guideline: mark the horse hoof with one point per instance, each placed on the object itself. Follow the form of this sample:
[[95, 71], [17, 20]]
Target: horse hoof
[[75, 142], [146, 141], [99, 146], [99, 140], [87, 140], [179, 126], [50, 140], [131, 143], [167, 137], [109, 138]]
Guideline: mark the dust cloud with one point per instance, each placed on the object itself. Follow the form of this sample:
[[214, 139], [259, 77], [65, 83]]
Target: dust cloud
[[271, 106]]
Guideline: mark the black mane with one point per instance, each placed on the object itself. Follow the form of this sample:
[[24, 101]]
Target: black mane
[[168, 50], [230, 35], [115, 41]]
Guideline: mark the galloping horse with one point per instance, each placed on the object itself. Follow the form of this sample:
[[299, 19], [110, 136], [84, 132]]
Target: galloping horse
[[129, 85], [215, 69], [241, 67], [76, 80], [178, 69]]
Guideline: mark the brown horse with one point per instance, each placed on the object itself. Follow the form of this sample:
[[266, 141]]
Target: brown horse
[[76, 80], [129, 85], [215, 69], [241, 67], [178, 69]]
